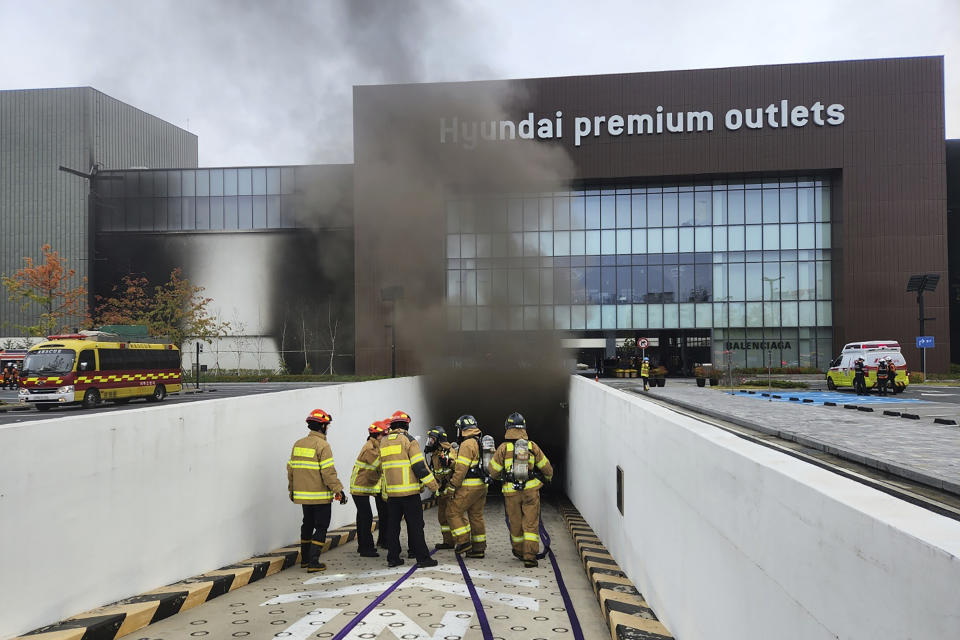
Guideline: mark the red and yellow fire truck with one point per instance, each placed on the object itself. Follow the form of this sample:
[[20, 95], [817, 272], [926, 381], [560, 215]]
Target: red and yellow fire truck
[[92, 367]]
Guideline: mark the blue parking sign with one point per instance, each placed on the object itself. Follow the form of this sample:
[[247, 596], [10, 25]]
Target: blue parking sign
[[924, 342]]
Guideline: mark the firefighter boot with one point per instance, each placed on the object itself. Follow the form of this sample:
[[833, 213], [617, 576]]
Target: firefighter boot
[[315, 565], [465, 547]]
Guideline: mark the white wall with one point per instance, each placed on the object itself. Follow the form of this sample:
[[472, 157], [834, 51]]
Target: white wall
[[727, 539], [94, 508]]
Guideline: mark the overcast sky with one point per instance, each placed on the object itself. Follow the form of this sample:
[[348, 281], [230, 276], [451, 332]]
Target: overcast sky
[[270, 82]]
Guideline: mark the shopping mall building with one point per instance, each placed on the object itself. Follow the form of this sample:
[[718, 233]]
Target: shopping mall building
[[767, 213]]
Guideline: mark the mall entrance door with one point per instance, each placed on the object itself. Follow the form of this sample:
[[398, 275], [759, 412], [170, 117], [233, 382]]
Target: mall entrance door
[[680, 350]]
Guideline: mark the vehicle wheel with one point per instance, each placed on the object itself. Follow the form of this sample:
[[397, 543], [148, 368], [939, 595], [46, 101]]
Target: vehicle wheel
[[159, 393], [91, 399], [43, 407], [830, 385]]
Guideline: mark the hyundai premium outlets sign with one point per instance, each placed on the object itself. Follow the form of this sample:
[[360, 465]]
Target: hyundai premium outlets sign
[[776, 115], [763, 346]]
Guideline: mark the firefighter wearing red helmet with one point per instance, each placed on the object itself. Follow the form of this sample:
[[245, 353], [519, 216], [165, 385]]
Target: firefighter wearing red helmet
[[405, 472], [365, 483], [313, 484]]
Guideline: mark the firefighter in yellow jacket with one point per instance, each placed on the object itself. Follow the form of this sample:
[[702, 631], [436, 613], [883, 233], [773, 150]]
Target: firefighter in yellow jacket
[[439, 453], [465, 509], [365, 484], [405, 472], [524, 467], [312, 482]]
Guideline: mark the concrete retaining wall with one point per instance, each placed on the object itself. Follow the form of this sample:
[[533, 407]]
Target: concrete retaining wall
[[97, 507], [727, 539]]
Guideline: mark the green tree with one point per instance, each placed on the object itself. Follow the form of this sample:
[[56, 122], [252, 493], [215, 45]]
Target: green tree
[[45, 287], [176, 309]]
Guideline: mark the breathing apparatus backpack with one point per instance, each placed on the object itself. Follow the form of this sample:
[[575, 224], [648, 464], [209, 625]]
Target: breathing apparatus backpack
[[520, 469], [487, 449]]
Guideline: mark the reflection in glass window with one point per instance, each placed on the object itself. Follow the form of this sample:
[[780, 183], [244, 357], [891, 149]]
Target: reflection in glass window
[[771, 206], [273, 211], [686, 209], [655, 316], [229, 182], [608, 316], [738, 314], [188, 184], [671, 316], [577, 213], [755, 284], [685, 244], [735, 207], [624, 219], [273, 180], [216, 213], [593, 243], [754, 314], [189, 213], [805, 236], [806, 210], [259, 212], [754, 207], [578, 285], [608, 213], [687, 316], [823, 236], [670, 209], [771, 237], [670, 240], [638, 241], [639, 316], [244, 187], [788, 236], [623, 241], [245, 211], [823, 204], [671, 283], [578, 243], [259, 176], [593, 316], [654, 210], [561, 214], [593, 212], [788, 285], [578, 317], [638, 211], [608, 242], [531, 214], [754, 237]]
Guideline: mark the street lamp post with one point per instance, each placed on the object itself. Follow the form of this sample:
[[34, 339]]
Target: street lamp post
[[770, 281], [920, 283]]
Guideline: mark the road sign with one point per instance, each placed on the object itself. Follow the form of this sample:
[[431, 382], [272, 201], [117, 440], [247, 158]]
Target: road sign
[[924, 342], [643, 343]]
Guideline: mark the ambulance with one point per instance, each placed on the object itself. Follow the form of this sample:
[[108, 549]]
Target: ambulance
[[842, 369]]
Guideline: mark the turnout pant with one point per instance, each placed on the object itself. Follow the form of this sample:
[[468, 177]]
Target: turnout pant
[[523, 515], [313, 531], [645, 380], [859, 384], [408, 508], [365, 520], [443, 504], [465, 514]]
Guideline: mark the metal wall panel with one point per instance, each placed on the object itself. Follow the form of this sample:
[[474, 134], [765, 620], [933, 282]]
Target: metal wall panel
[[41, 129]]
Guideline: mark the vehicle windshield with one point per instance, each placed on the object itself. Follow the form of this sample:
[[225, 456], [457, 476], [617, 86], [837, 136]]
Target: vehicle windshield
[[49, 361]]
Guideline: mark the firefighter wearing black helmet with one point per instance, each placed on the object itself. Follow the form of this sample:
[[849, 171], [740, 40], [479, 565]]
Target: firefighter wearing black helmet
[[465, 510], [442, 458], [524, 468]]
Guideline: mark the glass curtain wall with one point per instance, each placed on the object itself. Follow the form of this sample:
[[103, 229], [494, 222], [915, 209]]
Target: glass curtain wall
[[748, 259], [197, 199]]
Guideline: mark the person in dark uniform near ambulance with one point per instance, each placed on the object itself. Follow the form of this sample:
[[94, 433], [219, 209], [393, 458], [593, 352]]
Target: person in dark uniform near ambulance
[[859, 379], [313, 484]]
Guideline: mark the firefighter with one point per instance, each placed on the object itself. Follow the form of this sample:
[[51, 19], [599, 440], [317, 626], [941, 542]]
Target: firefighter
[[882, 371], [469, 482], [645, 372], [365, 484], [891, 375], [859, 381], [404, 472], [524, 468], [438, 450], [7, 375], [312, 482]]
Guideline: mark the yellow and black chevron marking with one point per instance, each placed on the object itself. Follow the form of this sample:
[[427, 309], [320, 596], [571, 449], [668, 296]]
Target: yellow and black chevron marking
[[628, 615], [126, 377], [126, 616]]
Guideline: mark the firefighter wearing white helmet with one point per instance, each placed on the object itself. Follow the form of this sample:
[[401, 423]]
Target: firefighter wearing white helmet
[[524, 467]]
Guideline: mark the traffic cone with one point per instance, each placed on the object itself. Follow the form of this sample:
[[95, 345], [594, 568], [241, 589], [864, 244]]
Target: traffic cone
[[596, 377]]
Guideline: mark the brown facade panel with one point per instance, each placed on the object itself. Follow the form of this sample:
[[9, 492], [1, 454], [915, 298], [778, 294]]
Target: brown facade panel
[[887, 157]]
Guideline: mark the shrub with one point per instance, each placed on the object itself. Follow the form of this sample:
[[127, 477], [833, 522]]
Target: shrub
[[916, 377], [775, 384], [778, 370]]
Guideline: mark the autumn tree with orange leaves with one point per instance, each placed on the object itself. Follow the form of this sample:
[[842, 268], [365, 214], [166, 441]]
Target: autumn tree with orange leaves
[[45, 287], [176, 309]]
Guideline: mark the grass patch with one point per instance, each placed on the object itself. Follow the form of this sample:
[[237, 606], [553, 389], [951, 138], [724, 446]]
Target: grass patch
[[775, 384], [777, 370]]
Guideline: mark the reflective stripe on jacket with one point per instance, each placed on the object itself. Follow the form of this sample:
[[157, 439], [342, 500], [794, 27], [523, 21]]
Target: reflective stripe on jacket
[[645, 370], [404, 468], [468, 457], [311, 476], [502, 462], [365, 479]]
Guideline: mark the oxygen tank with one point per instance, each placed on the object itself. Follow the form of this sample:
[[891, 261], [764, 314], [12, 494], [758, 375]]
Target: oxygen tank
[[487, 447], [521, 459]]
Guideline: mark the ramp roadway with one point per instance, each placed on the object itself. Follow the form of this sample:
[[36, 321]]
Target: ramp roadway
[[433, 603]]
